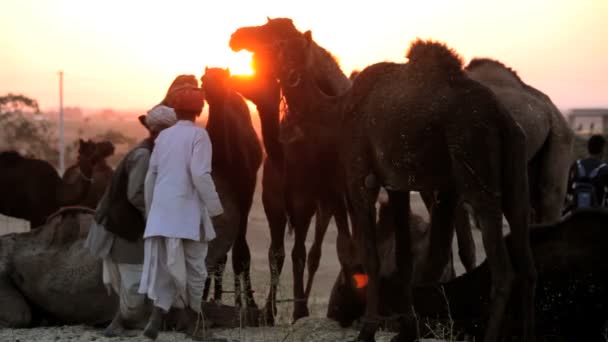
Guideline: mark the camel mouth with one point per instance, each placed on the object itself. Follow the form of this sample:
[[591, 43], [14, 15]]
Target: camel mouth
[[293, 78], [361, 280]]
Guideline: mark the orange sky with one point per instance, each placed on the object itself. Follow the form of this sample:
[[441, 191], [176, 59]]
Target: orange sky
[[123, 54]]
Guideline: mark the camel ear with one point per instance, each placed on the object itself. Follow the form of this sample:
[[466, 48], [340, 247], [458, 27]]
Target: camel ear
[[206, 68], [268, 19], [142, 120], [308, 37]]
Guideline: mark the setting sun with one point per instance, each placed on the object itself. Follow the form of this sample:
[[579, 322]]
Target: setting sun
[[240, 63]]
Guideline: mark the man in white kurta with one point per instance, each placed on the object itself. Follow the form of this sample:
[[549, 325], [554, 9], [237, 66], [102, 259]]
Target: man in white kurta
[[181, 199]]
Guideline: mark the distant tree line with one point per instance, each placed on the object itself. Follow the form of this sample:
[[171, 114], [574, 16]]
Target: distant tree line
[[20, 131], [24, 129]]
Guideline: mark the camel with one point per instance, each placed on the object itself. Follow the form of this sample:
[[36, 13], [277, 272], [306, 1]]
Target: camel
[[70, 290], [266, 98], [102, 173], [310, 180], [549, 139], [237, 156], [571, 294], [549, 144], [33, 189], [425, 126], [71, 280]]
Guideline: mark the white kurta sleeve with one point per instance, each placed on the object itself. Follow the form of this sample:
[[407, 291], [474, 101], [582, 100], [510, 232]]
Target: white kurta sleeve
[[200, 169], [149, 182]]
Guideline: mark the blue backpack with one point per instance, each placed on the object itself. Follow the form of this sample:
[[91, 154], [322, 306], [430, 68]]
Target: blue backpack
[[584, 192]]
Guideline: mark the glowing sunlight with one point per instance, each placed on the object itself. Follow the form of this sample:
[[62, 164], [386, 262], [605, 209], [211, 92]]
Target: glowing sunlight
[[240, 63]]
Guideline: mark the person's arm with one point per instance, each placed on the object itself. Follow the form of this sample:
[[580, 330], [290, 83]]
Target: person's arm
[[138, 168], [149, 182], [200, 169]]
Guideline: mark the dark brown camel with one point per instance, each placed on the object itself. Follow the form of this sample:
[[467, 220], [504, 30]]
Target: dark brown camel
[[309, 176], [549, 141], [425, 126], [571, 294], [264, 91], [102, 173], [32, 189], [237, 156]]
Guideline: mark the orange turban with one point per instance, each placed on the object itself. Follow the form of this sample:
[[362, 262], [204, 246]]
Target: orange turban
[[186, 98]]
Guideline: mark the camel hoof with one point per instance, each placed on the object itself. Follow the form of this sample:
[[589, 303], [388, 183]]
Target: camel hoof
[[367, 332], [300, 312], [269, 315]]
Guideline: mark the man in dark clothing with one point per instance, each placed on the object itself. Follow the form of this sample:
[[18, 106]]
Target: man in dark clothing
[[116, 235], [588, 178]]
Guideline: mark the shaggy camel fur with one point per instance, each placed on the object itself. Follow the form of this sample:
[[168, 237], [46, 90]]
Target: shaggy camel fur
[[571, 294], [426, 126], [32, 189], [309, 179], [237, 156], [70, 290]]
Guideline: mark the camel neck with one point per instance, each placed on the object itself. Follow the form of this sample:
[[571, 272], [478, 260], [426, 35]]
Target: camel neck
[[270, 122]]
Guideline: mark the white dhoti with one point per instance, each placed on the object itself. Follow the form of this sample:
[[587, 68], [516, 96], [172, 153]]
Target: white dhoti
[[174, 272], [124, 280]]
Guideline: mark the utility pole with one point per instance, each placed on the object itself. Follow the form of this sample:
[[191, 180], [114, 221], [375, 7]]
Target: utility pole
[[61, 142]]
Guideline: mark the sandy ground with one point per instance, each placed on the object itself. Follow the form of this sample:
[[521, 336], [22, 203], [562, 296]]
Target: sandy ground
[[315, 328], [305, 330]]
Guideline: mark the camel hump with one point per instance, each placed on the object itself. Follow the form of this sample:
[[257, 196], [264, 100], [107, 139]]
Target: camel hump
[[434, 56], [479, 62], [10, 157], [70, 210]]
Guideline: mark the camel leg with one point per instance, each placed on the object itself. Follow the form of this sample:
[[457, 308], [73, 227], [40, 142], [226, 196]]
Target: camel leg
[[442, 234], [277, 222], [464, 236], [241, 263], [516, 211], [322, 218], [273, 200], [553, 177], [400, 205], [489, 219], [300, 219], [361, 201], [345, 246], [218, 277]]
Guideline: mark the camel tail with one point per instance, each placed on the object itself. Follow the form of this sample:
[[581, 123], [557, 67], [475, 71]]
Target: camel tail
[[432, 55]]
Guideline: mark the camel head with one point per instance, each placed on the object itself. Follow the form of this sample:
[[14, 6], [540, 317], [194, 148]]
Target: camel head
[[215, 84], [261, 41], [86, 155], [294, 58], [104, 149], [179, 82]]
